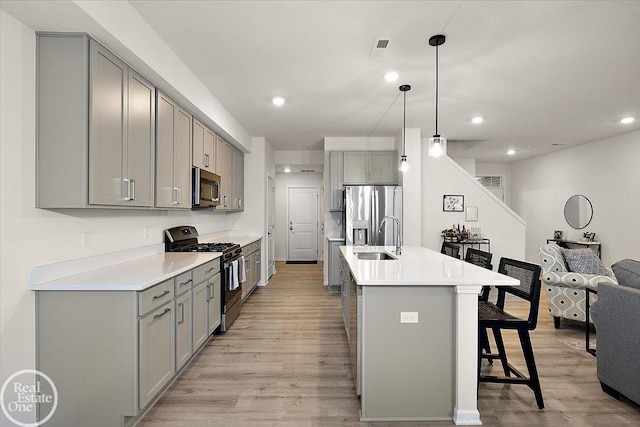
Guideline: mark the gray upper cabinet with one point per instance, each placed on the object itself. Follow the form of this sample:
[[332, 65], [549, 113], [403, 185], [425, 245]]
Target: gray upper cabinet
[[223, 168], [370, 167], [204, 140], [173, 154], [336, 181], [238, 179], [230, 166], [96, 127]]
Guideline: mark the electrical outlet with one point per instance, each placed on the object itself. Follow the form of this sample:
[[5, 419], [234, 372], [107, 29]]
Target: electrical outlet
[[408, 317], [85, 239]]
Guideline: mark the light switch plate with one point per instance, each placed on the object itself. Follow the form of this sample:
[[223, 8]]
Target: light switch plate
[[408, 317]]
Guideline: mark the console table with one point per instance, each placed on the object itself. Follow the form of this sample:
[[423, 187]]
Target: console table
[[580, 243]]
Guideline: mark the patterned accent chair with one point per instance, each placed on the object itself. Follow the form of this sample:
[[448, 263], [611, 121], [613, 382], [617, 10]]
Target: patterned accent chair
[[565, 289]]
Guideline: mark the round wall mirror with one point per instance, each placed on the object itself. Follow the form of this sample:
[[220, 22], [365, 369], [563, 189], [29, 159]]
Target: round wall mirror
[[578, 211]]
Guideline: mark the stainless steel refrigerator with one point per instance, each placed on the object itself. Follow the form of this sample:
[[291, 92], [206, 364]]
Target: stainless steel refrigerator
[[365, 207]]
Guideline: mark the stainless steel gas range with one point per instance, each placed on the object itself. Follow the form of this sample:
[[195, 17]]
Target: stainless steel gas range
[[185, 239]]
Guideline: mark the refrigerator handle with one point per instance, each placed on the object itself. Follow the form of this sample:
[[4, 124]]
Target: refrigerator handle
[[374, 217]]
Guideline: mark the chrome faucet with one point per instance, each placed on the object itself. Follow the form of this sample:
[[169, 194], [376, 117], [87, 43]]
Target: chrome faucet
[[398, 232]]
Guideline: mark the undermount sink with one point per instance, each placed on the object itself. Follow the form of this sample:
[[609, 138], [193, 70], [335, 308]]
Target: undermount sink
[[377, 256]]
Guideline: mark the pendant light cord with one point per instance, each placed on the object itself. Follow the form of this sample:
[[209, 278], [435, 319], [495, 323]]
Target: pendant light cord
[[404, 126], [436, 92]]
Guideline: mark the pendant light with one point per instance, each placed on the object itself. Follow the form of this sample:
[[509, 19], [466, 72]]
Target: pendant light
[[437, 144], [404, 164]]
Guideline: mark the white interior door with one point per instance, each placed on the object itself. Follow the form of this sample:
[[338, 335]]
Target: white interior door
[[271, 219], [303, 224]]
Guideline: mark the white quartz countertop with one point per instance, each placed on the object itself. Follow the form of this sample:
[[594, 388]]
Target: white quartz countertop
[[135, 275], [418, 266]]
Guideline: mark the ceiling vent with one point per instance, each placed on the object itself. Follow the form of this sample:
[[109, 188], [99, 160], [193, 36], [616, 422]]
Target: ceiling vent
[[380, 46]]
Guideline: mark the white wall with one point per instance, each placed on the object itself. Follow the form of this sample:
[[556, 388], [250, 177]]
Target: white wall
[[605, 171], [299, 157], [283, 182], [411, 182], [467, 164], [501, 225], [32, 237], [253, 221]]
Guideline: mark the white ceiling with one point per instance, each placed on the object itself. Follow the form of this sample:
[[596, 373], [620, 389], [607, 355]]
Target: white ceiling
[[539, 72]]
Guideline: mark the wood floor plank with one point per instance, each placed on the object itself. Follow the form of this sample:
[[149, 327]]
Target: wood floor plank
[[285, 362]]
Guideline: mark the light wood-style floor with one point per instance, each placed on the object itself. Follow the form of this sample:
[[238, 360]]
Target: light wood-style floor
[[285, 362]]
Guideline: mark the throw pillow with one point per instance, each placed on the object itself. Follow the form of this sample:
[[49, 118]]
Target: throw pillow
[[584, 261], [627, 272]]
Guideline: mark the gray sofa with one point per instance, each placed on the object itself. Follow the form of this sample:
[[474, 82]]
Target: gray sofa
[[616, 315]]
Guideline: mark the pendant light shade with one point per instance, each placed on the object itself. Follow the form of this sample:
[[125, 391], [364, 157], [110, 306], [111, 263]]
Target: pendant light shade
[[437, 144], [404, 164]]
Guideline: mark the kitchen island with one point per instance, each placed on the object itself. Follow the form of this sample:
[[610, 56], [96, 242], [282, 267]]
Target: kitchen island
[[412, 326]]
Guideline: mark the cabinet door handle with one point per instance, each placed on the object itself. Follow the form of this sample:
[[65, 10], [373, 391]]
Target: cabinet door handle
[[157, 316], [180, 193], [181, 306], [132, 192], [208, 270], [155, 297], [175, 196], [126, 183], [185, 283], [225, 201]]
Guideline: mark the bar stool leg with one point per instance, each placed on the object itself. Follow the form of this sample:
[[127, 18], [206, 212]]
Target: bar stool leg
[[497, 334], [534, 381]]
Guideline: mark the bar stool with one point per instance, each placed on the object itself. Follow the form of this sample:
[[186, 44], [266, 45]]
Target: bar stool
[[493, 316], [450, 249]]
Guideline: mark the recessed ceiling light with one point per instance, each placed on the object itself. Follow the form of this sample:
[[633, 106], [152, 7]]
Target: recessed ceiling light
[[477, 120], [287, 170], [511, 152], [627, 120], [391, 76], [278, 100]]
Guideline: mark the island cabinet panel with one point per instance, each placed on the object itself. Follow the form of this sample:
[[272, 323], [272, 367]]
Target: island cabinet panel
[[407, 368]]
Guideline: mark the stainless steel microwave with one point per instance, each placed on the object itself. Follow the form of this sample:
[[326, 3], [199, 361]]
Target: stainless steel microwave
[[206, 188]]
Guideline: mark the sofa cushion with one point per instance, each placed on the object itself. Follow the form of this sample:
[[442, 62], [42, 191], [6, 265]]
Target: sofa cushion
[[627, 272], [584, 261]]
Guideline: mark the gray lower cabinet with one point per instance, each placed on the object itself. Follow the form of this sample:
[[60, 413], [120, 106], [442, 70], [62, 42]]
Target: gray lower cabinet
[[214, 305], [184, 328], [334, 267], [173, 154], [345, 285], [253, 267], [200, 314], [157, 356], [128, 345], [95, 129]]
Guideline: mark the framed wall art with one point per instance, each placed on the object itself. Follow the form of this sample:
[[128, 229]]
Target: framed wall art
[[471, 213], [453, 203]]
